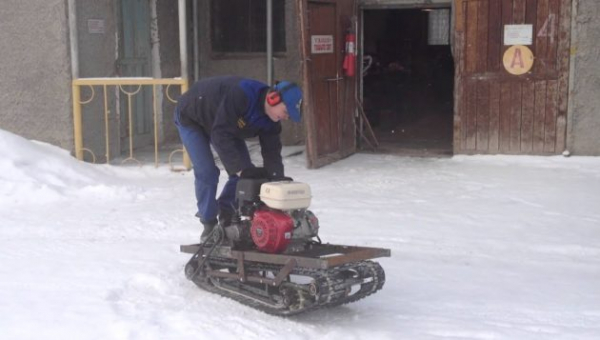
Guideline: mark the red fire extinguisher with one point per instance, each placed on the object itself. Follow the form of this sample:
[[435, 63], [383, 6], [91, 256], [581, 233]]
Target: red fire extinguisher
[[349, 65]]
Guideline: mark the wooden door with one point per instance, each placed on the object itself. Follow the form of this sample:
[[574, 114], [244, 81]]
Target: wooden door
[[500, 113], [329, 103]]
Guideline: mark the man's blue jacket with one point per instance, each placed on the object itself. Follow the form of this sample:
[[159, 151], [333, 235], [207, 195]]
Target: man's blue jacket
[[229, 109]]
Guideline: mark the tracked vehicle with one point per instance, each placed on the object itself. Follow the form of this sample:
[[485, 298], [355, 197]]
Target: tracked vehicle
[[271, 258]]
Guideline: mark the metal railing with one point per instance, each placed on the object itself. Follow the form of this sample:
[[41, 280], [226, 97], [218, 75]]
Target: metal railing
[[120, 82]]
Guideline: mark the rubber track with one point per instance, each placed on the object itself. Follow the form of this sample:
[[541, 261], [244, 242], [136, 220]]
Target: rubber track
[[332, 284]]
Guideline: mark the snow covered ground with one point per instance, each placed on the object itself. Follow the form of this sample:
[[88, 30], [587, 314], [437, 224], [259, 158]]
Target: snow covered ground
[[483, 247]]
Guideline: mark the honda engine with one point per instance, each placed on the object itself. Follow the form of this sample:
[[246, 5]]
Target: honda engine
[[273, 216]]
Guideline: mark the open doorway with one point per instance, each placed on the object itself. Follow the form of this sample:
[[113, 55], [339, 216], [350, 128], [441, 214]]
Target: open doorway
[[408, 79]]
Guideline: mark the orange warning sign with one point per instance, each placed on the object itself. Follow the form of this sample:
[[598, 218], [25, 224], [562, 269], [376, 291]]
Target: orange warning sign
[[518, 60]]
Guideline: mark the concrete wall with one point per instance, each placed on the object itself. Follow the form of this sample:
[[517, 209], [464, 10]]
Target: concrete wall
[[97, 55], [35, 71], [584, 112], [286, 66], [97, 51]]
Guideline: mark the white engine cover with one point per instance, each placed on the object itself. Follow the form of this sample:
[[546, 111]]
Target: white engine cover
[[285, 195]]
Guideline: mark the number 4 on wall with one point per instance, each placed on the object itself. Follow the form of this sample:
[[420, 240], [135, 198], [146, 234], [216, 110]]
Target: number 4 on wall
[[548, 29]]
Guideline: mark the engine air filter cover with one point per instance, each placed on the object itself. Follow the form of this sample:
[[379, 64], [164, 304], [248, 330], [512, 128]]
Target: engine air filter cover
[[285, 195]]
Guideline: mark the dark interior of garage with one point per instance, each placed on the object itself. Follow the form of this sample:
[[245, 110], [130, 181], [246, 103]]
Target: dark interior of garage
[[408, 81]]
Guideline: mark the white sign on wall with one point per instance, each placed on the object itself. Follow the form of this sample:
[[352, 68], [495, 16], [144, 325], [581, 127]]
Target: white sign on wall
[[518, 34], [95, 26], [321, 44]]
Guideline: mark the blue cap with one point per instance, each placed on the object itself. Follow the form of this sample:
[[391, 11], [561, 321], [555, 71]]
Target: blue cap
[[292, 97]]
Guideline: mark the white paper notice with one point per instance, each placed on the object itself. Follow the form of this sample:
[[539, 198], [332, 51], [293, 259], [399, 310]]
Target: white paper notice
[[518, 34], [321, 44]]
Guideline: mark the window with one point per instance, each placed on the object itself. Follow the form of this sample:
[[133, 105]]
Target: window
[[439, 27], [241, 25]]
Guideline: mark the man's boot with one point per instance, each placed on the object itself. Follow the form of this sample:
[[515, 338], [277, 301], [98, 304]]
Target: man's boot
[[208, 228]]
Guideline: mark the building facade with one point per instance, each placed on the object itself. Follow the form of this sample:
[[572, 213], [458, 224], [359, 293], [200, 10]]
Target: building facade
[[407, 71]]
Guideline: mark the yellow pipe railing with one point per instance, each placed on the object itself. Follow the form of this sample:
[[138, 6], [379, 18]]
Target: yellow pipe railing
[[120, 82]]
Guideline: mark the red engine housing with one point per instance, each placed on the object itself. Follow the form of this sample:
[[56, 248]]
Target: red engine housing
[[271, 231]]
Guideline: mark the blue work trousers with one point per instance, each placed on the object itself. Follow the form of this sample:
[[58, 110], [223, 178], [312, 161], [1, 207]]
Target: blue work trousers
[[206, 173]]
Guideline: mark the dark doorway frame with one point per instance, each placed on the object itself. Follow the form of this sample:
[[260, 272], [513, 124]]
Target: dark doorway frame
[[363, 146]]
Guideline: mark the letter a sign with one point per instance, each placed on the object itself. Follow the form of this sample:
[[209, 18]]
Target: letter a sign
[[518, 60]]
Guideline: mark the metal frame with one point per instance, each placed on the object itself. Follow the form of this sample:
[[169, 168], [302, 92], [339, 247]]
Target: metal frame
[[319, 256], [120, 82]]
